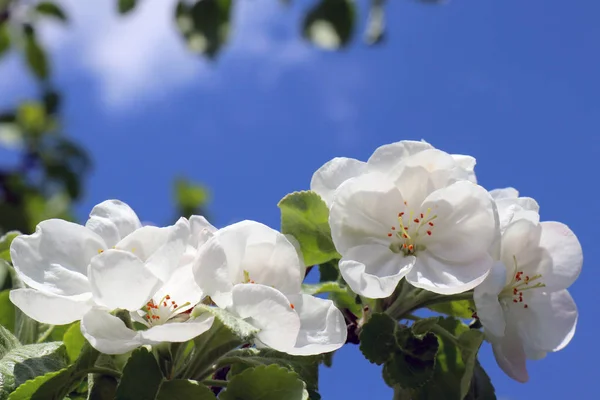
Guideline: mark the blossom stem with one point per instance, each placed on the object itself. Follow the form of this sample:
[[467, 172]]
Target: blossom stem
[[215, 382], [46, 334]]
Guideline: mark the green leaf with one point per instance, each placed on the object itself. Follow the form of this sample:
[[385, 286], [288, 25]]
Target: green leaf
[[422, 326], [449, 367], [102, 387], [27, 390], [330, 24], [377, 338], [28, 362], [481, 385], [322, 287], [5, 242], [183, 389], [329, 271], [7, 311], [35, 55], [413, 365], [141, 377], [4, 38], [125, 6], [304, 215], [8, 341], [469, 343], [241, 328], [458, 308], [307, 367], [74, 341], [266, 383], [32, 117], [52, 10], [347, 300]]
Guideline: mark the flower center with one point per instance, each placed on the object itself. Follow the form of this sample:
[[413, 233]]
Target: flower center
[[411, 229], [520, 282], [160, 312]]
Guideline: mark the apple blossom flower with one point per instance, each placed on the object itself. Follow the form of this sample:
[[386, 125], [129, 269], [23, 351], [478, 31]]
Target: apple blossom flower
[[110, 263], [523, 304], [389, 159], [256, 273], [418, 222]]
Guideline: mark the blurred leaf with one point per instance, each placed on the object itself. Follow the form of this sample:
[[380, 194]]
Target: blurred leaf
[[32, 117], [51, 10], [266, 383], [190, 197], [35, 55], [4, 38], [330, 24], [377, 338], [305, 216], [126, 6], [204, 25], [5, 242], [183, 389], [51, 100], [7, 311], [458, 308], [8, 341], [376, 23], [141, 377], [236, 325]]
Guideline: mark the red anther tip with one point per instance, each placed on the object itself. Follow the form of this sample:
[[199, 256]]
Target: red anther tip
[[429, 233], [431, 224], [422, 215], [416, 220], [389, 234], [393, 228], [525, 306]]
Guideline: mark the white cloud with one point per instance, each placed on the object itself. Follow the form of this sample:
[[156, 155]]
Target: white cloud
[[142, 55]]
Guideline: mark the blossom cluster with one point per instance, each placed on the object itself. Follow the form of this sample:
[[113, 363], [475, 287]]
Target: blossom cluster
[[414, 212], [158, 275], [411, 212]]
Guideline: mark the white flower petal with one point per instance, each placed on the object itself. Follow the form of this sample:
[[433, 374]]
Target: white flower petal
[[565, 252], [510, 355], [121, 280], [107, 333], [443, 277], [466, 224], [504, 193], [467, 163], [50, 308], [488, 307], [181, 287], [363, 211], [177, 332], [55, 258], [167, 257], [211, 272], [160, 248], [513, 209], [332, 174], [201, 230], [549, 322], [521, 250], [386, 158], [322, 326], [270, 311], [374, 270], [113, 220], [266, 255]]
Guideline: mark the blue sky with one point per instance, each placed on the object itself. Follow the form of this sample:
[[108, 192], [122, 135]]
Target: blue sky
[[513, 83]]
